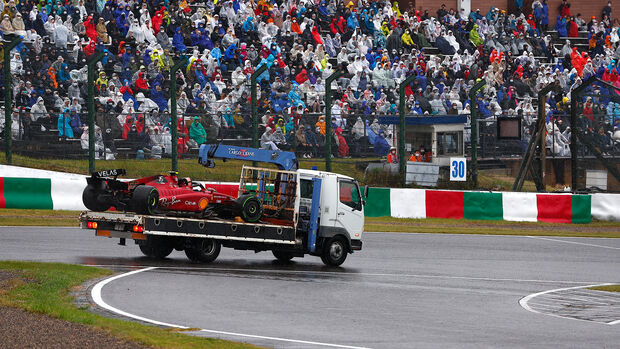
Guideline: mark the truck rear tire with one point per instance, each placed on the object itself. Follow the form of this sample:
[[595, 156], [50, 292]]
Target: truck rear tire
[[144, 199], [334, 252], [90, 198], [282, 255], [203, 251], [157, 247]]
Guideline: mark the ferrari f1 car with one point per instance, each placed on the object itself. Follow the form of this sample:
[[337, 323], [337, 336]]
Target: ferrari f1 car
[[166, 194]]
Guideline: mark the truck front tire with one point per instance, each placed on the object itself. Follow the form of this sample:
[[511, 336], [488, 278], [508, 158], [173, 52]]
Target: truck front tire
[[334, 252], [203, 251]]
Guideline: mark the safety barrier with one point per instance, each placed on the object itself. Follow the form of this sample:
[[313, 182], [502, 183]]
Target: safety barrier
[[30, 188], [509, 206], [22, 187]]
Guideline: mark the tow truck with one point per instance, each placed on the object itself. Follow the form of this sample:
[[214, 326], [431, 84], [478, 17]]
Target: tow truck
[[304, 212]]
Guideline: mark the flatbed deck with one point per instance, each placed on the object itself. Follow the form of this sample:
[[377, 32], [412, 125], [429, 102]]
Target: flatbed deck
[[121, 225]]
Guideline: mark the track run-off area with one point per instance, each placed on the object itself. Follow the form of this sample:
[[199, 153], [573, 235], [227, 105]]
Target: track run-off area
[[400, 291]]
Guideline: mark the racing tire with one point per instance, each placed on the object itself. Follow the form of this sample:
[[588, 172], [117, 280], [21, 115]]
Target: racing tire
[[251, 208], [203, 251], [157, 247], [144, 200], [334, 252], [282, 255], [90, 198]]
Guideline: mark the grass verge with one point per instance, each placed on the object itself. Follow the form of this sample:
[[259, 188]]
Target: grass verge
[[44, 288], [17, 217], [463, 226], [50, 218], [609, 288]]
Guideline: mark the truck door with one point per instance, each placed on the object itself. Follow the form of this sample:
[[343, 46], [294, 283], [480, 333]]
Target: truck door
[[350, 215]]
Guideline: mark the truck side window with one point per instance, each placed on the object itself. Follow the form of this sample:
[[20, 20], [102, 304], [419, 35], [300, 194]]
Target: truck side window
[[306, 188], [349, 194]]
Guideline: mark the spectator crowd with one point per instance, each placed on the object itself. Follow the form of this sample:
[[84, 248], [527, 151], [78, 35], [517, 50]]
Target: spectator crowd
[[375, 42]]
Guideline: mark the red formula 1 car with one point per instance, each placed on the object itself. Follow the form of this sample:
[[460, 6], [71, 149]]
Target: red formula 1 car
[[166, 194]]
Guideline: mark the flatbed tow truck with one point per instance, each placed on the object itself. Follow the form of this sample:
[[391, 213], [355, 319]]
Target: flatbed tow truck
[[304, 212]]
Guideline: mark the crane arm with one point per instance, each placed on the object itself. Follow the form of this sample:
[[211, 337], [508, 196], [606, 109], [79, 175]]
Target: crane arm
[[285, 160]]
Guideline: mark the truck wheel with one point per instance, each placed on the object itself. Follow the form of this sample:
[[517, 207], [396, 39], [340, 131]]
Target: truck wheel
[[90, 198], [282, 256], [157, 247], [251, 208], [204, 251], [145, 199], [334, 252]]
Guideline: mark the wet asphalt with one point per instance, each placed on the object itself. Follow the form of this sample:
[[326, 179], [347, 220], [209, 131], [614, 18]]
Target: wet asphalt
[[401, 291]]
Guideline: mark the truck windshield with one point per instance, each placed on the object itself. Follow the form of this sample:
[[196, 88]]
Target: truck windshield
[[349, 194]]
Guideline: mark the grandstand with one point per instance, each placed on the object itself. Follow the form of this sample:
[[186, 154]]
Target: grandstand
[[517, 51]]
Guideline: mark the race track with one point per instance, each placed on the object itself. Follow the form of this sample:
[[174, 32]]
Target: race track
[[401, 291]]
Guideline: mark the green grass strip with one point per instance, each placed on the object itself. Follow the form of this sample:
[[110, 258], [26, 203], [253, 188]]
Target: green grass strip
[[608, 288], [46, 291], [491, 227]]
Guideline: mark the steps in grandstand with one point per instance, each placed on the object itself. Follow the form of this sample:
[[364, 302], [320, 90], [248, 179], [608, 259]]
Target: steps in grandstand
[[66, 149], [581, 42]]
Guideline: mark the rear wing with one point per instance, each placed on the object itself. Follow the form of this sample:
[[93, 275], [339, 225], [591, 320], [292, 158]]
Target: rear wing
[[109, 173]]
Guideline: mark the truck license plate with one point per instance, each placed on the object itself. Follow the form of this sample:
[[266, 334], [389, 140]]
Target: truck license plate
[[119, 226]]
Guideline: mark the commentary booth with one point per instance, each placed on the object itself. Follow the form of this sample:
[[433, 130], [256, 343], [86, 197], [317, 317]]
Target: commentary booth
[[443, 136]]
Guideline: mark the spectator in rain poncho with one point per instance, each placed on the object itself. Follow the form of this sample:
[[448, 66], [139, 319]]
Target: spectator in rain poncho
[[474, 37], [381, 146], [560, 26], [64, 124], [266, 140], [294, 98], [197, 132]]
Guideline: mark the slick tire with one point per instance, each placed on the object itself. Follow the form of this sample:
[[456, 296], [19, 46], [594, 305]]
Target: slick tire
[[90, 198], [144, 200]]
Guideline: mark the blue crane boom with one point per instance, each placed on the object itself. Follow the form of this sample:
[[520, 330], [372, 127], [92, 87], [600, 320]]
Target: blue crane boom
[[285, 160]]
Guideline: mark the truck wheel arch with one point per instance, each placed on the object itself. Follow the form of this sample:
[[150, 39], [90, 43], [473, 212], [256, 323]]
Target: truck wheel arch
[[326, 233]]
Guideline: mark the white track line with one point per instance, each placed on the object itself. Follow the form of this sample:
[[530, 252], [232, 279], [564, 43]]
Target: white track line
[[524, 302], [573, 242], [96, 294], [97, 298], [305, 272]]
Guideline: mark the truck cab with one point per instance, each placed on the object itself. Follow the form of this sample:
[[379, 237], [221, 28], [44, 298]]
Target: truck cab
[[341, 207]]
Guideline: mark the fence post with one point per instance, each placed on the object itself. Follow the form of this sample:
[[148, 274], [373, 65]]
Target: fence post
[[575, 129], [8, 91], [474, 131], [96, 57], [173, 111], [534, 137], [402, 129], [254, 105], [328, 118]]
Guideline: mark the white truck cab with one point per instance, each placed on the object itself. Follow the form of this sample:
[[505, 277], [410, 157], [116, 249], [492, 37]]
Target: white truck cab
[[341, 205]]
